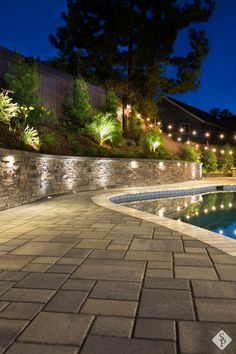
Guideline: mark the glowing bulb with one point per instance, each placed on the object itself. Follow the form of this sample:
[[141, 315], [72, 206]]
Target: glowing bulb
[[206, 148], [230, 205], [231, 152], [197, 213], [205, 211], [214, 208], [207, 135], [181, 130], [139, 115], [178, 164], [221, 232], [178, 208], [222, 206], [148, 119], [158, 123], [194, 132], [214, 150], [222, 136], [133, 164], [169, 126], [169, 135], [197, 146], [188, 217], [151, 125], [179, 139], [235, 231], [222, 151]]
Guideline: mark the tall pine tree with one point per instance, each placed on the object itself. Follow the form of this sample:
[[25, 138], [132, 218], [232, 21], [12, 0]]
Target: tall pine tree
[[128, 45]]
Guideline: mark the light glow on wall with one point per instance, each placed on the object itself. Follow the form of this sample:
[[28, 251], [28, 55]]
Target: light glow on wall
[[133, 164]]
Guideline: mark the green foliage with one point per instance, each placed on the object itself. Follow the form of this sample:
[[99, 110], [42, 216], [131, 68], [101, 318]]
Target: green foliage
[[147, 31], [190, 153], [43, 116], [23, 80], [112, 102], [19, 122], [50, 139], [134, 127], [153, 139], [29, 136], [227, 160], [8, 109], [209, 160], [103, 128], [79, 111], [163, 154]]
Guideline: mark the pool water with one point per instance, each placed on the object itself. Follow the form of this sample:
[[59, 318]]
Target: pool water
[[212, 211]]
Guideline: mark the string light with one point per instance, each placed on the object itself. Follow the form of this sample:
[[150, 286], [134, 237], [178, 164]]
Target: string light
[[214, 208], [231, 152], [222, 151], [222, 136], [206, 148], [221, 232], [169, 126], [181, 130], [222, 206], [169, 135], [148, 119], [207, 135], [158, 123], [179, 139], [214, 150], [151, 125], [194, 132]]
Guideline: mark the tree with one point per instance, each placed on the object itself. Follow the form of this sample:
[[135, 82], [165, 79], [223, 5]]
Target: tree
[[129, 45], [222, 114], [23, 80]]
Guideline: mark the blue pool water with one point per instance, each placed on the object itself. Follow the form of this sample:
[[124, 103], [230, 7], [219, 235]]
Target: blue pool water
[[212, 211]]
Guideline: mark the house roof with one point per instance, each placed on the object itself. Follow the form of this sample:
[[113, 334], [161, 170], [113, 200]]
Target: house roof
[[197, 113]]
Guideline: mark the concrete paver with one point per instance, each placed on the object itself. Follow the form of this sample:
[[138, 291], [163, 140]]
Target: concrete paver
[[79, 278]]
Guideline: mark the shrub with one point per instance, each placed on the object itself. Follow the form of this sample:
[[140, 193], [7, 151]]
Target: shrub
[[227, 160], [19, 122], [50, 139], [134, 127], [80, 110], [29, 136], [43, 116], [23, 80], [104, 127], [8, 109], [190, 153], [163, 154], [209, 160], [153, 139], [112, 102]]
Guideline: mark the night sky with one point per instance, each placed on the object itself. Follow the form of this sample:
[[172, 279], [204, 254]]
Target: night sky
[[26, 24]]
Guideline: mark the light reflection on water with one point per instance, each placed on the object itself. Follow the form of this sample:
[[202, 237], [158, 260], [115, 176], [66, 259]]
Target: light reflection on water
[[211, 211]]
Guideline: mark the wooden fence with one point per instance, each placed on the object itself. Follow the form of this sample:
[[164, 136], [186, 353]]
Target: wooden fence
[[54, 84]]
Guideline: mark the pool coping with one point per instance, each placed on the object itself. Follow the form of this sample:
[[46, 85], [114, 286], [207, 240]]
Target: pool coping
[[222, 243]]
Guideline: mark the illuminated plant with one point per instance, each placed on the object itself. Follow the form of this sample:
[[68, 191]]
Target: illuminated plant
[[8, 109], [103, 128], [209, 160], [227, 161], [153, 139], [30, 137], [190, 153]]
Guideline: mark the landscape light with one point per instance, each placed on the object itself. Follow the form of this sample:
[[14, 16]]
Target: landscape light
[[133, 164]]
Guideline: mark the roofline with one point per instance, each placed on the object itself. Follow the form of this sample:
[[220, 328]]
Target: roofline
[[192, 114]]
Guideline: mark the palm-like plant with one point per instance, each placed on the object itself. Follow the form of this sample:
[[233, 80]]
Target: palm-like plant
[[8, 109], [104, 127], [30, 137]]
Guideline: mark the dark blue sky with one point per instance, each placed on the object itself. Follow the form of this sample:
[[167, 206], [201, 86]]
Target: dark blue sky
[[26, 24]]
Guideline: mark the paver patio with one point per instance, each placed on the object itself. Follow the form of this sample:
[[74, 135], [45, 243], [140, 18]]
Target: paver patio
[[78, 278]]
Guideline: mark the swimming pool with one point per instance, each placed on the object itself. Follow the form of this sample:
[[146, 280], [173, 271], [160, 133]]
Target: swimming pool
[[214, 211]]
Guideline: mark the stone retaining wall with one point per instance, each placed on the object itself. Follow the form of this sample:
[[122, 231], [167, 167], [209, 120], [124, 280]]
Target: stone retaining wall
[[26, 177]]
